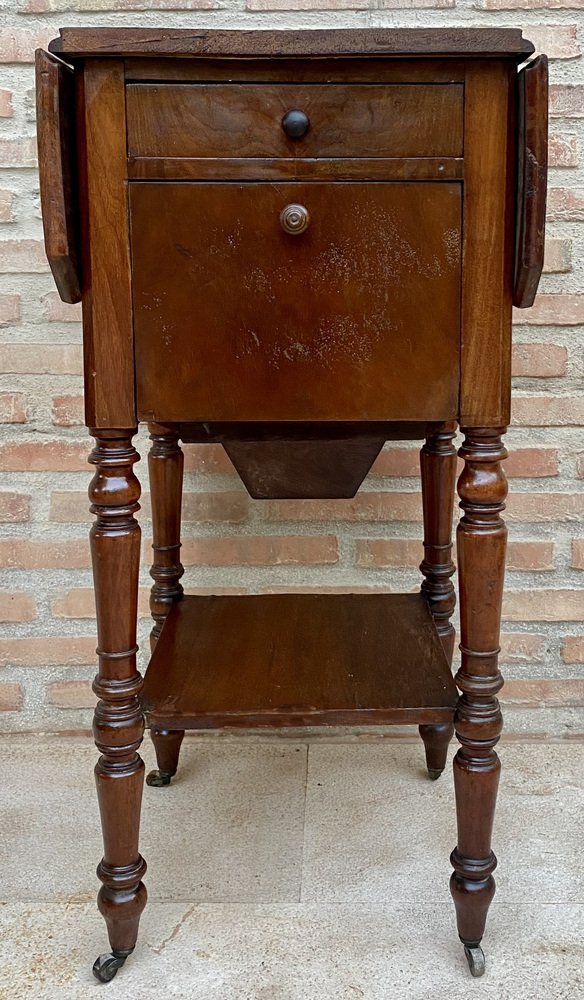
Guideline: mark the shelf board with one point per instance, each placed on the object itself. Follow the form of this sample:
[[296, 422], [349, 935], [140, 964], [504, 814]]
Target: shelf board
[[298, 660]]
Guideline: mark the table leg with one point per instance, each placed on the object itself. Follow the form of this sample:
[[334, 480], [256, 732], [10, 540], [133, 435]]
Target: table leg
[[438, 470], [481, 541], [118, 722], [165, 470]]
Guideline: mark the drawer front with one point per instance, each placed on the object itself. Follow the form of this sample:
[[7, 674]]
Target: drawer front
[[356, 120], [354, 318]]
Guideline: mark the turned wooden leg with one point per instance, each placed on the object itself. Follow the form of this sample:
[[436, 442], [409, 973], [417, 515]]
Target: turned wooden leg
[[481, 540], [118, 723], [165, 470], [438, 470]]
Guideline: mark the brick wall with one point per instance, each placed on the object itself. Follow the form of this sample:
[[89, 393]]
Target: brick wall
[[46, 606]]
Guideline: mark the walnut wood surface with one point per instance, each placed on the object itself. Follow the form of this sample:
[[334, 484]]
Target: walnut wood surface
[[347, 120], [366, 42], [326, 70], [532, 181], [438, 474], [302, 659], [55, 119], [289, 469], [488, 244], [339, 323], [208, 168], [481, 541], [118, 722], [107, 301]]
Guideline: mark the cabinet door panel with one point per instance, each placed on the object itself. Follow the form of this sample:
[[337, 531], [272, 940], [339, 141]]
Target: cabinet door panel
[[355, 318]]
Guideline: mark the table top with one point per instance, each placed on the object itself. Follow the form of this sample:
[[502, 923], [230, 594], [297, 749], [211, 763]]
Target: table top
[[80, 43]]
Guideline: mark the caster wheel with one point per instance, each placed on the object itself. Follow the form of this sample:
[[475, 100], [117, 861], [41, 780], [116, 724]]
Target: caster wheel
[[434, 773], [106, 966], [157, 779], [476, 960]]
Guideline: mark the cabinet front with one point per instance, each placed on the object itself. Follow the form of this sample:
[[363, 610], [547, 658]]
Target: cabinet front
[[291, 301]]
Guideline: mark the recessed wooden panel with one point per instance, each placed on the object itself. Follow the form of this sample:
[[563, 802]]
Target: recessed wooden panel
[[298, 659], [356, 318], [245, 120]]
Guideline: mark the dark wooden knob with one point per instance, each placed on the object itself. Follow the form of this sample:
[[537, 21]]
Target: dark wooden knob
[[295, 124], [294, 219]]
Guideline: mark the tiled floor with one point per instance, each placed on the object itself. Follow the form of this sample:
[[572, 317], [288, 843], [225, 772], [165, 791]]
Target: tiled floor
[[281, 871]]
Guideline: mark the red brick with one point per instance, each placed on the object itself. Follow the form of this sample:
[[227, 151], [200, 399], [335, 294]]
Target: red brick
[[529, 463], [397, 462], [24, 553], [530, 555], [547, 411], [204, 458], [17, 45], [6, 206], [378, 553], [558, 41], [11, 699], [18, 152], [9, 309], [552, 310], [558, 257], [12, 408], [67, 411], [573, 649], [44, 456], [46, 6], [545, 507], [14, 507], [45, 650], [364, 507], [60, 312], [276, 550], [80, 603], [563, 150], [41, 359], [567, 100], [578, 553], [6, 109], [307, 5], [522, 647], [539, 360], [22, 256], [16, 606], [553, 693], [71, 694], [544, 605], [565, 205], [72, 506]]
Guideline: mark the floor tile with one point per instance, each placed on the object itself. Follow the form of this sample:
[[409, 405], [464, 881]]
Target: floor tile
[[378, 829], [229, 828]]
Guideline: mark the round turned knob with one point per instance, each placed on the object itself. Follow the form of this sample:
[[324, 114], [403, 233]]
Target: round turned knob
[[294, 219], [295, 124]]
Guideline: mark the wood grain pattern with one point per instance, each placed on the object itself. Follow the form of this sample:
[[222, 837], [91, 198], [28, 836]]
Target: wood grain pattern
[[348, 120], [481, 542], [339, 323], [302, 659], [209, 168], [107, 301], [489, 209], [366, 42], [532, 99], [55, 119]]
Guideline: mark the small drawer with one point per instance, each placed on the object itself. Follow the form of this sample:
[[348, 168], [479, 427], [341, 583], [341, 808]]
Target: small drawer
[[330, 120]]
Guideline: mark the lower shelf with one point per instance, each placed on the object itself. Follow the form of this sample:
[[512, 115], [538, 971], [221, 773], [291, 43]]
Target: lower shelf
[[298, 660]]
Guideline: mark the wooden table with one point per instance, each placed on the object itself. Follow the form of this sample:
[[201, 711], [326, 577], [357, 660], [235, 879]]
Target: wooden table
[[300, 245]]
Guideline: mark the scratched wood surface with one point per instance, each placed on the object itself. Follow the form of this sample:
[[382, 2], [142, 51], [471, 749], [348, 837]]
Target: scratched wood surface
[[340, 322]]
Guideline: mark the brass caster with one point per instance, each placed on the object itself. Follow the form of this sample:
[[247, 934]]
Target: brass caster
[[157, 779], [434, 772], [106, 966], [476, 959]]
